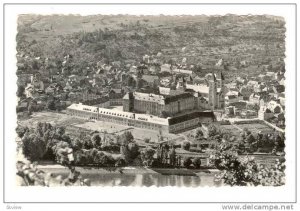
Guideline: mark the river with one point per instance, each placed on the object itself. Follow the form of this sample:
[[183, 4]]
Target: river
[[139, 177]]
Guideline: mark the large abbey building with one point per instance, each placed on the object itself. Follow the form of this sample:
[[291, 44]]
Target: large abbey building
[[186, 97], [170, 111]]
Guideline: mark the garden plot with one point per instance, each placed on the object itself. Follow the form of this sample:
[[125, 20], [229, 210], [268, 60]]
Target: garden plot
[[256, 127]]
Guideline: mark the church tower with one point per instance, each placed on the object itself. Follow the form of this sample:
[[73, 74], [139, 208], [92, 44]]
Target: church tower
[[222, 91], [212, 98]]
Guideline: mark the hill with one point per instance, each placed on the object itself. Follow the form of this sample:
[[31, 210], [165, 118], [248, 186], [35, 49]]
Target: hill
[[258, 40]]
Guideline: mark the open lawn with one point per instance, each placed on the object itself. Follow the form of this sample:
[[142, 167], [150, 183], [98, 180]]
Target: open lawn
[[256, 127], [138, 133], [76, 125], [230, 129], [59, 119]]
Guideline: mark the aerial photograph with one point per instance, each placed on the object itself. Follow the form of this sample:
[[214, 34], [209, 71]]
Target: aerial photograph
[[154, 100]]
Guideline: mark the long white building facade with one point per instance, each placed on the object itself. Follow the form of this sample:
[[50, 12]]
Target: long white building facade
[[169, 125]]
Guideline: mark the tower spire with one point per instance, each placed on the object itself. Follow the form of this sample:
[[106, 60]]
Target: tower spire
[[214, 77], [222, 76]]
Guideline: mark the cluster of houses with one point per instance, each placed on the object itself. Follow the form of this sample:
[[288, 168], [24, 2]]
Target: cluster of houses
[[262, 97], [105, 84]]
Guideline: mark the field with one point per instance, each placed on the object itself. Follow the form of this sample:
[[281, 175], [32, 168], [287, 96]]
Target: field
[[75, 125], [230, 129], [256, 127], [59, 119]]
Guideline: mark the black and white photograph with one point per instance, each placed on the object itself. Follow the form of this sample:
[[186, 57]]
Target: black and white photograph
[[153, 100], [127, 100]]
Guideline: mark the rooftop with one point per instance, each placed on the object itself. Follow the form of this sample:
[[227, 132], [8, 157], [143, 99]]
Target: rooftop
[[192, 115], [198, 88], [118, 113]]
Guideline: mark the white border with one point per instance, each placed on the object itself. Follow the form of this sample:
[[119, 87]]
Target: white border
[[96, 194]]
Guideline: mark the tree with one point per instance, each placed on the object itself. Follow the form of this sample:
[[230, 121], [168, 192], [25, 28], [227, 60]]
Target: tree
[[133, 149], [172, 156], [199, 134], [87, 143], [39, 129], [76, 144], [147, 156], [126, 137], [60, 150], [79, 157], [197, 162], [146, 140], [20, 130], [246, 131], [186, 145], [279, 141], [212, 130], [106, 160], [250, 139], [129, 151], [187, 161], [51, 105], [46, 127], [66, 138], [120, 162], [245, 171], [33, 147], [60, 131], [226, 136], [96, 140], [20, 91]]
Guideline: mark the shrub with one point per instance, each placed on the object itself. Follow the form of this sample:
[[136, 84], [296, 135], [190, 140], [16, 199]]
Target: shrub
[[93, 152], [87, 143], [96, 141], [213, 130], [193, 145], [146, 140], [199, 150], [130, 152], [120, 162], [187, 161], [20, 91], [21, 130], [197, 162], [264, 150], [110, 148], [51, 105], [98, 157], [147, 156], [198, 134], [137, 161], [250, 138], [246, 171], [76, 144], [66, 138], [186, 145], [107, 160], [61, 152], [80, 158], [20, 109]]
